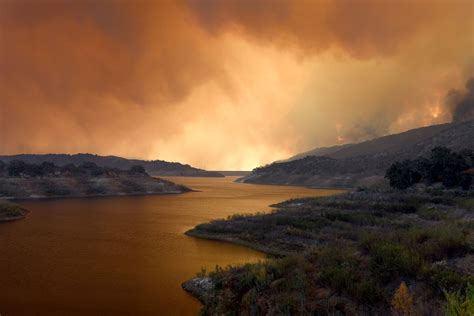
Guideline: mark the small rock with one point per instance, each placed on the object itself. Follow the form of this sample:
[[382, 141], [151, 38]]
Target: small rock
[[199, 287]]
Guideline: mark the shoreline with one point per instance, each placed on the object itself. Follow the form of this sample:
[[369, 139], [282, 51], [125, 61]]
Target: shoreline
[[200, 287], [397, 213], [53, 197], [194, 287], [14, 218], [236, 241], [298, 185]]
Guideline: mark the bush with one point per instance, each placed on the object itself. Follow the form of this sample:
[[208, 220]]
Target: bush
[[442, 279], [137, 169], [458, 304], [16, 167], [389, 260], [342, 271], [443, 242], [338, 270], [403, 174], [432, 214], [402, 301]]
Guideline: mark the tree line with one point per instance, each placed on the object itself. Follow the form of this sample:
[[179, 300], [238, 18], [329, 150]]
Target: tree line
[[450, 168], [19, 168]]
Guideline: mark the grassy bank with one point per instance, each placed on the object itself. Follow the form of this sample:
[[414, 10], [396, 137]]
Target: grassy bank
[[352, 253]]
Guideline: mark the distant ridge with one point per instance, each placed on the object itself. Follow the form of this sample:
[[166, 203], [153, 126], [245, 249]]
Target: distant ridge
[[153, 167], [363, 163]]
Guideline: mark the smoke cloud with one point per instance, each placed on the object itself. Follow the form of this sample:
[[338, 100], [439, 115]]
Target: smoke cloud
[[461, 103], [226, 84]]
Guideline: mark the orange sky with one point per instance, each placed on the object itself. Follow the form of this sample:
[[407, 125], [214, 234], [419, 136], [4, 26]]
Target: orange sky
[[225, 84]]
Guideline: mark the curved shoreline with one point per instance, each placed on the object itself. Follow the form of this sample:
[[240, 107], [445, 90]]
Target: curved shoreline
[[307, 186], [236, 241], [200, 287], [194, 286]]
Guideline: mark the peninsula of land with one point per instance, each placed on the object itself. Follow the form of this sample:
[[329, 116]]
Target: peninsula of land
[[21, 180]]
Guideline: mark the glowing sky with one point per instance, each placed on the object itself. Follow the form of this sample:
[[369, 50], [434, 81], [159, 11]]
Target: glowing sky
[[225, 84]]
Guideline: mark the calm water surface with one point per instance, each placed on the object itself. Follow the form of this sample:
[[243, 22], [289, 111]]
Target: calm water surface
[[123, 255]]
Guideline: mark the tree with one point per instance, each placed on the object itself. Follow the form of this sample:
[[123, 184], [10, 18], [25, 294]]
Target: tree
[[33, 170], [138, 169], [402, 174], [48, 167], [455, 165], [442, 165], [423, 166], [465, 181], [92, 168], [468, 155], [71, 168], [439, 159], [16, 167]]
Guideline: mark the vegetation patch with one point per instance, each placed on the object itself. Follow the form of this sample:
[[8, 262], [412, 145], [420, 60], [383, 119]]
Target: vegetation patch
[[443, 165], [376, 251], [11, 211]]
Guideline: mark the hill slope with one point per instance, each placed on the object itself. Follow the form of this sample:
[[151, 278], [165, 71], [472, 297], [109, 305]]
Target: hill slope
[[153, 167], [32, 181], [362, 163]]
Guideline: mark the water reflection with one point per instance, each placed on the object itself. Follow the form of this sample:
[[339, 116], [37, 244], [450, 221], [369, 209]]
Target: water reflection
[[123, 255]]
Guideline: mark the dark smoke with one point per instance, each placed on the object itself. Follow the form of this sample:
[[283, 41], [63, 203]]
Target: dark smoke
[[462, 103]]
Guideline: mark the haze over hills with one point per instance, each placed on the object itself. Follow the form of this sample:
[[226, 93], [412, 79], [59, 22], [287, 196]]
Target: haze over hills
[[363, 163], [153, 167]]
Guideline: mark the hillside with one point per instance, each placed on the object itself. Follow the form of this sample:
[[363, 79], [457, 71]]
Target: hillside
[[321, 151], [20, 180], [153, 167], [423, 139], [345, 255], [363, 163]]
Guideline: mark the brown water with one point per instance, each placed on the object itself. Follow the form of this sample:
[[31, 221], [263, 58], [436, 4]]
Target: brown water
[[123, 255]]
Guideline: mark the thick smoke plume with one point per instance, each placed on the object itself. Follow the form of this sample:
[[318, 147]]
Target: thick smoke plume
[[461, 103], [225, 84]]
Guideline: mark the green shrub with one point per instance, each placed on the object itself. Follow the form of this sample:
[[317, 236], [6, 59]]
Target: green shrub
[[432, 214], [441, 279], [467, 203], [363, 219], [389, 260], [444, 241], [458, 304]]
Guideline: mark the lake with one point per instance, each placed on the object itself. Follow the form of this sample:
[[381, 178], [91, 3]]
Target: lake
[[123, 255]]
